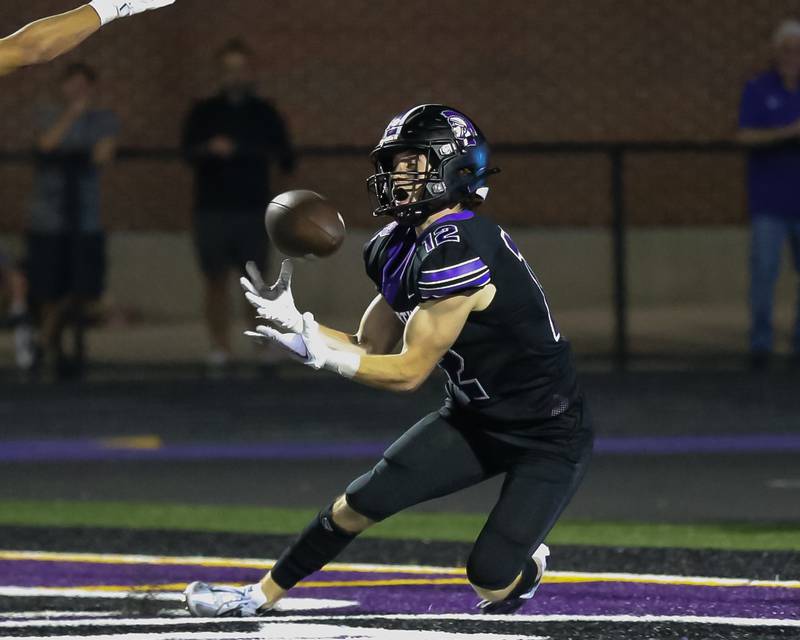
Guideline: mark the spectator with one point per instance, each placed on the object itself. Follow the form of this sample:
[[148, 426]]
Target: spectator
[[770, 122], [14, 287], [231, 140], [66, 243]]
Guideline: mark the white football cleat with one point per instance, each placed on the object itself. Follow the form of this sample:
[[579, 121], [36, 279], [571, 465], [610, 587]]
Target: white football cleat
[[210, 601], [515, 600]]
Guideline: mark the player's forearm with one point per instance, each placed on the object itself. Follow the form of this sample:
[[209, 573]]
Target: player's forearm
[[358, 343], [47, 38], [400, 372], [429, 333], [342, 341]]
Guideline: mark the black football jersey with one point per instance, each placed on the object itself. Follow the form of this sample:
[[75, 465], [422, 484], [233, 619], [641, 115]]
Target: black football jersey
[[510, 363]]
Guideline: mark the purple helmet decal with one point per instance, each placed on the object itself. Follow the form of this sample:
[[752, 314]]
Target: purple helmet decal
[[463, 129]]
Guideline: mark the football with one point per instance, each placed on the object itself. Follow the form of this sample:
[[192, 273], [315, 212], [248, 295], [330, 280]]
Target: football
[[304, 223]]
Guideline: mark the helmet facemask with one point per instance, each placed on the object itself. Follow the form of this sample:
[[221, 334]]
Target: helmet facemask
[[407, 184]]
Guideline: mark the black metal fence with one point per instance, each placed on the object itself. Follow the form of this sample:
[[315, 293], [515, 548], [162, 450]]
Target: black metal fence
[[617, 154]]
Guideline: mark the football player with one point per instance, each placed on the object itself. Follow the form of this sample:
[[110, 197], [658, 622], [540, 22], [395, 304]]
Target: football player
[[454, 290], [48, 38]]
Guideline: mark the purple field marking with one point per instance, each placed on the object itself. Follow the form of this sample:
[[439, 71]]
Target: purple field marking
[[593, 598], [599, 598], [39, 573], [671, 445], [88, 450]]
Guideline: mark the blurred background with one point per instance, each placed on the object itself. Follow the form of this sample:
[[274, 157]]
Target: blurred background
[[599, 112], [616, 125]]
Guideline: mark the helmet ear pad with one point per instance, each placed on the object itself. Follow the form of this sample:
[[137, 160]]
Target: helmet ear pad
[[464, 174]]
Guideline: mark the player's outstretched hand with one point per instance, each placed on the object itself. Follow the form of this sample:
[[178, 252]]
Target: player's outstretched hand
[[308, 345], [132, 7], [109, 10], [274, 304]]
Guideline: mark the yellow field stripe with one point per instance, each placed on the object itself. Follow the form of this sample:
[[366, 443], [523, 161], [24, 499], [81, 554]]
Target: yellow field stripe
[[131, 442], [552, 577], [396, 582], [135, 588], [202, 561], [555, 577], [309, 584]]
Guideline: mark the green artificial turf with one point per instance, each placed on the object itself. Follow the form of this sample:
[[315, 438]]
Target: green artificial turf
[[427, 526]]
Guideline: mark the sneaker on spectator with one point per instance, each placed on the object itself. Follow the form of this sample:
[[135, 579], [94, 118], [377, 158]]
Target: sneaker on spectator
[[24, 344], [218, 359]]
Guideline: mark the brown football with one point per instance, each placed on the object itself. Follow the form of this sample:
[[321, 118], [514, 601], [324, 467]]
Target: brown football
[[302, 223]]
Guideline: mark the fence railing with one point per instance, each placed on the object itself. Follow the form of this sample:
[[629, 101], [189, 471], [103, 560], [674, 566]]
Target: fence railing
[[615, 151]]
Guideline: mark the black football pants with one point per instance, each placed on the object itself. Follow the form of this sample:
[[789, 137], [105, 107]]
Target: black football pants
[[439, 456]]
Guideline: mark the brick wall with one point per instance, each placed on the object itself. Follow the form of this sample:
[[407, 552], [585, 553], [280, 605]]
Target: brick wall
[[338, 69]]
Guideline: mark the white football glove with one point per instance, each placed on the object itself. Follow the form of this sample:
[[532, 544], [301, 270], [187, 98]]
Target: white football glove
[[310, 347], [109, 10], [274, 304]]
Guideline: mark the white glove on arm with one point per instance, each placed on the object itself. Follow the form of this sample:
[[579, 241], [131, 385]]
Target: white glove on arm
[[109, 10], [310, 347], [274, 304]]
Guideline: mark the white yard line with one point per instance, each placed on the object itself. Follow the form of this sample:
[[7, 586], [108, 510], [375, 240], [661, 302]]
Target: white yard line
[[57, 592], [34, 615], [304, 632], [193, 622], [743, 622], [284, 631]]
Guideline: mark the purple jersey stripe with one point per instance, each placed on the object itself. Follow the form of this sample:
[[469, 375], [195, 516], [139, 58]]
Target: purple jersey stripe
[[463, 286], [455, 271], [450, 282], [445, 281], [454, 217]]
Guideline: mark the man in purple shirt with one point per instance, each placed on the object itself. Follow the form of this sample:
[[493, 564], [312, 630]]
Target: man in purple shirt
[[769, 122]]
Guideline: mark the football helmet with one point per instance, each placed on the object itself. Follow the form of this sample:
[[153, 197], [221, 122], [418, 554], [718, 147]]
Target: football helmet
[[456, 170]]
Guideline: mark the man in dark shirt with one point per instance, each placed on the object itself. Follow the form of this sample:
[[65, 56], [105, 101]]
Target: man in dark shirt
[[769, 121], [231, 140]]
